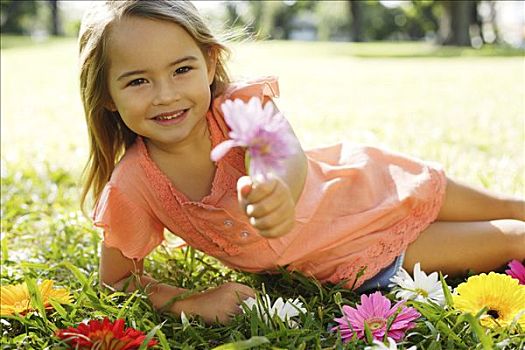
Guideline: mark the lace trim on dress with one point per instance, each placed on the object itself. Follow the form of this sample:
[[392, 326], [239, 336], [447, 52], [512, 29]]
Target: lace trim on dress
[[395, 241], [211, 242], [228, 247], [170, 199]]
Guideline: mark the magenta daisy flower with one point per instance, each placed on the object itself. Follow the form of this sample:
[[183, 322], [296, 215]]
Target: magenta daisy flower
[[263, 131], [516, 270], [375, 311]]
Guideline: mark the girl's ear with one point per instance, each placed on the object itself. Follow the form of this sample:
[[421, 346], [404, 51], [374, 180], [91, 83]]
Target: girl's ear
[[212, 64]]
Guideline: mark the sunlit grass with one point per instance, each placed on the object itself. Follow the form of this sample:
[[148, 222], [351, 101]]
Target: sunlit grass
[[467, 113], [464, 112]]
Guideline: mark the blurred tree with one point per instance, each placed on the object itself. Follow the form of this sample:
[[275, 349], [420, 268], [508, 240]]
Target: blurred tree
[[16, 15], [421, 19], [489, 30], [262, 18], [356, 9], [30, 16], [232, 16], [55, 18], [450, 22], [455, 21], [333, 20], [371, 20], [266, 19]]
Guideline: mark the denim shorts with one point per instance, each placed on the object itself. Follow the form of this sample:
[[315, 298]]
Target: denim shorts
[[382, 279]]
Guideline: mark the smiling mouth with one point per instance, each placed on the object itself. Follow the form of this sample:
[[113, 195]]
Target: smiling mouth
[[170, 116]]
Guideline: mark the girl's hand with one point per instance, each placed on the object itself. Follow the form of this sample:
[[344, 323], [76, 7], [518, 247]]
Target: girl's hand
[[268, 203], [216, 305]]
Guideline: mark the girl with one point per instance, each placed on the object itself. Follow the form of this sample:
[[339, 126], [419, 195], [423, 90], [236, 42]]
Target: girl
[[153, 79]]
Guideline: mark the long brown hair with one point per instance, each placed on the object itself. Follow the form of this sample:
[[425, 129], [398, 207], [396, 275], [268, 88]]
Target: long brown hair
[[109, 137]]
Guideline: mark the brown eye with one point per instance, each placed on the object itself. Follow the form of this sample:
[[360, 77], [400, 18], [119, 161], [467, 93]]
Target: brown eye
[[137, 82], [183, 70]]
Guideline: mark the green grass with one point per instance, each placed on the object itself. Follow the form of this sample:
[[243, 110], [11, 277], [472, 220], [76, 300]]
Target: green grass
[[18, 41], [463, 111]]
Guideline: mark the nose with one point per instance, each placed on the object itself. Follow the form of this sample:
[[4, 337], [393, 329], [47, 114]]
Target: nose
[[165, 93]]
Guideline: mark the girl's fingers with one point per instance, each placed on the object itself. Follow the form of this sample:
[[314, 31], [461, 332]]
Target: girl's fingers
[[279, 230], [244, 187], [261, 189], [265, 205], [273, 219]]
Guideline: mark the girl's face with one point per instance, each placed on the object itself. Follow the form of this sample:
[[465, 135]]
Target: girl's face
[[159, 81]]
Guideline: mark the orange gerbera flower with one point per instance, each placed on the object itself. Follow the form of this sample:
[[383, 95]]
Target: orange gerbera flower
[[16, 298]]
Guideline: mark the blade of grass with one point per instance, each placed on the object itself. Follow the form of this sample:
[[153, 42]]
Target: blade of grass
[[36, 300], [446, 290], [5, 252], [162, 340], [59, 309], [244, 344], [368, 334], [78, 274], [150, 335], [124, 307], [485, 340]]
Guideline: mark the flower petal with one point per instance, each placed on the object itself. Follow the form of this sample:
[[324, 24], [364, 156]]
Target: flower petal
[[221, 149]]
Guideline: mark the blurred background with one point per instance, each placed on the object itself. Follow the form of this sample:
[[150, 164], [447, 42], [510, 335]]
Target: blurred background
[[440, 80], [463, 23]]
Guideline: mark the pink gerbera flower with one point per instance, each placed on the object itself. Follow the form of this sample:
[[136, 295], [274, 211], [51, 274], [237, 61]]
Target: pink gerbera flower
[[105, 335], [264, 132], [375, 311], [516, 270]]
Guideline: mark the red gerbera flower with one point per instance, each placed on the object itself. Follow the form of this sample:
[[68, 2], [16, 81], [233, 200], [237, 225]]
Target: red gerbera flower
[[105, 335]]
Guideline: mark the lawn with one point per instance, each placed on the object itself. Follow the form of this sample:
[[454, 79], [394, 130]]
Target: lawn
[[462, 108]]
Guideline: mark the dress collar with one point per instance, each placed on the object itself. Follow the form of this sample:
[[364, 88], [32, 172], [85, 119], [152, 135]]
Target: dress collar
[[217, 188]]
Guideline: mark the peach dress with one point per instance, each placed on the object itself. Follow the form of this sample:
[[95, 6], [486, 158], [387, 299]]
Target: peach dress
[[360, 208]]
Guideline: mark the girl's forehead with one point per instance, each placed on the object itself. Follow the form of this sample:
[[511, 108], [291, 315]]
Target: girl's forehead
[[135, 38]]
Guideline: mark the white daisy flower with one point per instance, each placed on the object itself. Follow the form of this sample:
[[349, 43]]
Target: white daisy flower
[[379, 345], [284, 310], [422, 288]]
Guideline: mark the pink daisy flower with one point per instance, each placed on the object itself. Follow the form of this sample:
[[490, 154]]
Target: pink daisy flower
[[516, 270], [375, 311], [264, 132]]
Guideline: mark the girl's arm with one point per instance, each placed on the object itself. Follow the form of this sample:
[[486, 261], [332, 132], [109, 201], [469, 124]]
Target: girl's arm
[[295, 169], [270, 203], [218, 304]]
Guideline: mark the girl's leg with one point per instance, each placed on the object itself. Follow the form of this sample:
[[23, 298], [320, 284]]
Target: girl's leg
[[456, 247], [465, 203]]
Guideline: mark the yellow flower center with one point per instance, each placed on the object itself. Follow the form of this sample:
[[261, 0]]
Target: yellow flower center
[[375, 323], [422, 292], [266, 149], [262, 146]]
